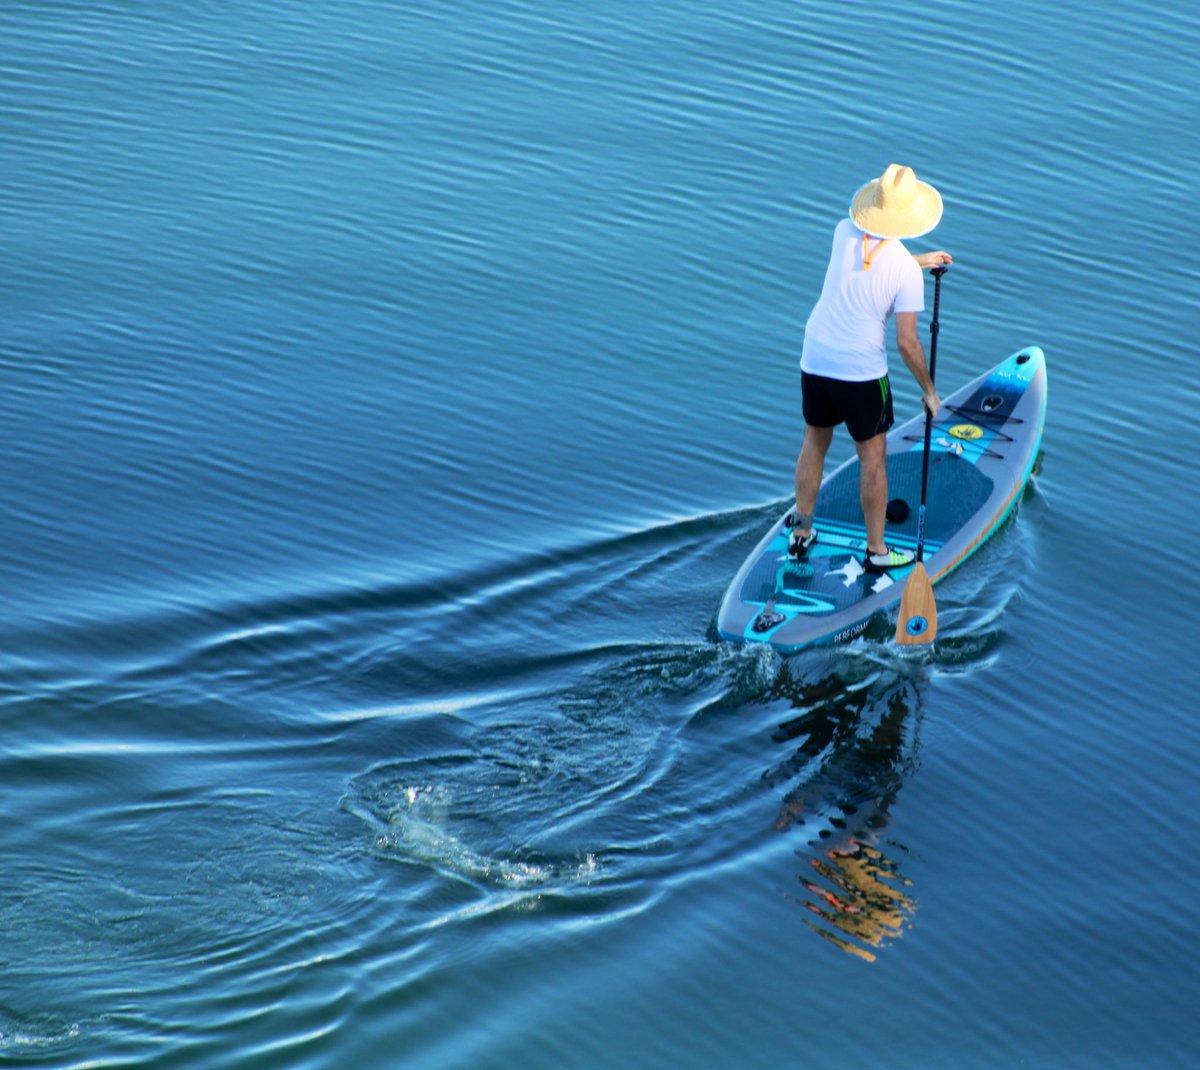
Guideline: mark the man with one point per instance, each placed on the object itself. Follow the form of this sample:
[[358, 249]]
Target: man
[[843, 367]]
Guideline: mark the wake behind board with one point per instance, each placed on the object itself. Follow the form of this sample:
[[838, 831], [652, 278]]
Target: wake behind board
[[985, 441]]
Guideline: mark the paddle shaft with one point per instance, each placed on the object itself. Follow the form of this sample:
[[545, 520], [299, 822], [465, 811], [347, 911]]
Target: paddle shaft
[[934, 329]]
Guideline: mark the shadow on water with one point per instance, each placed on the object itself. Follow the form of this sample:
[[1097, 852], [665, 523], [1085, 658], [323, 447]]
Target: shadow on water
[[850, 741]]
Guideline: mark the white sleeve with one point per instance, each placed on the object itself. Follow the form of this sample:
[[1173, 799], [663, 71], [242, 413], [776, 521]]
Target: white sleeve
[[911, 295]]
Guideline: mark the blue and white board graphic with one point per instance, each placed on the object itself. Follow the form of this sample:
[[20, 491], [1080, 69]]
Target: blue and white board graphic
[[985, 442]]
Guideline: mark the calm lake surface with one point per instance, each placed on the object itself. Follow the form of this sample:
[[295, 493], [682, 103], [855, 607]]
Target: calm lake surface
[[388, 392]]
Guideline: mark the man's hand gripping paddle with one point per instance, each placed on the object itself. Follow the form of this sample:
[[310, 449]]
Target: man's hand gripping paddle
[[917, 622]]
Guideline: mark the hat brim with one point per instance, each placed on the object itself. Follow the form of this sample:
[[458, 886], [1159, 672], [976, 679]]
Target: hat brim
[[920, 217]]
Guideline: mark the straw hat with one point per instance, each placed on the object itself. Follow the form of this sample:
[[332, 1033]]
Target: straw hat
[[896, 205]]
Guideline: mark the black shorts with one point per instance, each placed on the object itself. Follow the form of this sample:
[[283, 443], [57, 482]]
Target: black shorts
[[865, 407]]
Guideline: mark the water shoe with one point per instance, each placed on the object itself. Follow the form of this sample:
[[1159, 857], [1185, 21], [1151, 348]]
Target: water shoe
[[889, 560], [798, 544]]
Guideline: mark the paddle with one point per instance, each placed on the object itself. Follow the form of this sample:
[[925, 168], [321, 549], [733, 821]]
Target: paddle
[[917, 622]]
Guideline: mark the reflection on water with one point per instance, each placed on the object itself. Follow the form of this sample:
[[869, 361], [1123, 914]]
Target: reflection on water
[[861, 898], [851, 744]]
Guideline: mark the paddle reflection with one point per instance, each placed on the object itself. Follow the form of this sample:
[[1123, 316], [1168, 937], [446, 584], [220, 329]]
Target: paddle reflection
[[850, 747]]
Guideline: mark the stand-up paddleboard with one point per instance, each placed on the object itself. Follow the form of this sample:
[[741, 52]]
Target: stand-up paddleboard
[[985, 441]]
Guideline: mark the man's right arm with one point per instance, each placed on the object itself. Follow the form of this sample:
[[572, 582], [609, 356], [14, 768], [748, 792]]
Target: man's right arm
[[913, 354]]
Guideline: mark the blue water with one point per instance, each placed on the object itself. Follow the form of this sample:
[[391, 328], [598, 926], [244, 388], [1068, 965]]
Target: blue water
[[387, 394]]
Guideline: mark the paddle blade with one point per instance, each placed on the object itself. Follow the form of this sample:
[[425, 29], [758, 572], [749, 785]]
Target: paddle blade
[[918, 611]]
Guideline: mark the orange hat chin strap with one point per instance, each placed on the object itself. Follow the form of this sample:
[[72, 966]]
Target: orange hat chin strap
[[868, 252]]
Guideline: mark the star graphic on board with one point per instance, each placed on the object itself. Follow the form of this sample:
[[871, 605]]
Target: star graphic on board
[[851, 570]]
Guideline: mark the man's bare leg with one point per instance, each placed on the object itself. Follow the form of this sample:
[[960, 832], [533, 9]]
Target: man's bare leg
[[810, 465], [873, 489]]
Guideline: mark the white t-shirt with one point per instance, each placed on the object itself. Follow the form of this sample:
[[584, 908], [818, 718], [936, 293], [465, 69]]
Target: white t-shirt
[[844, 337]]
